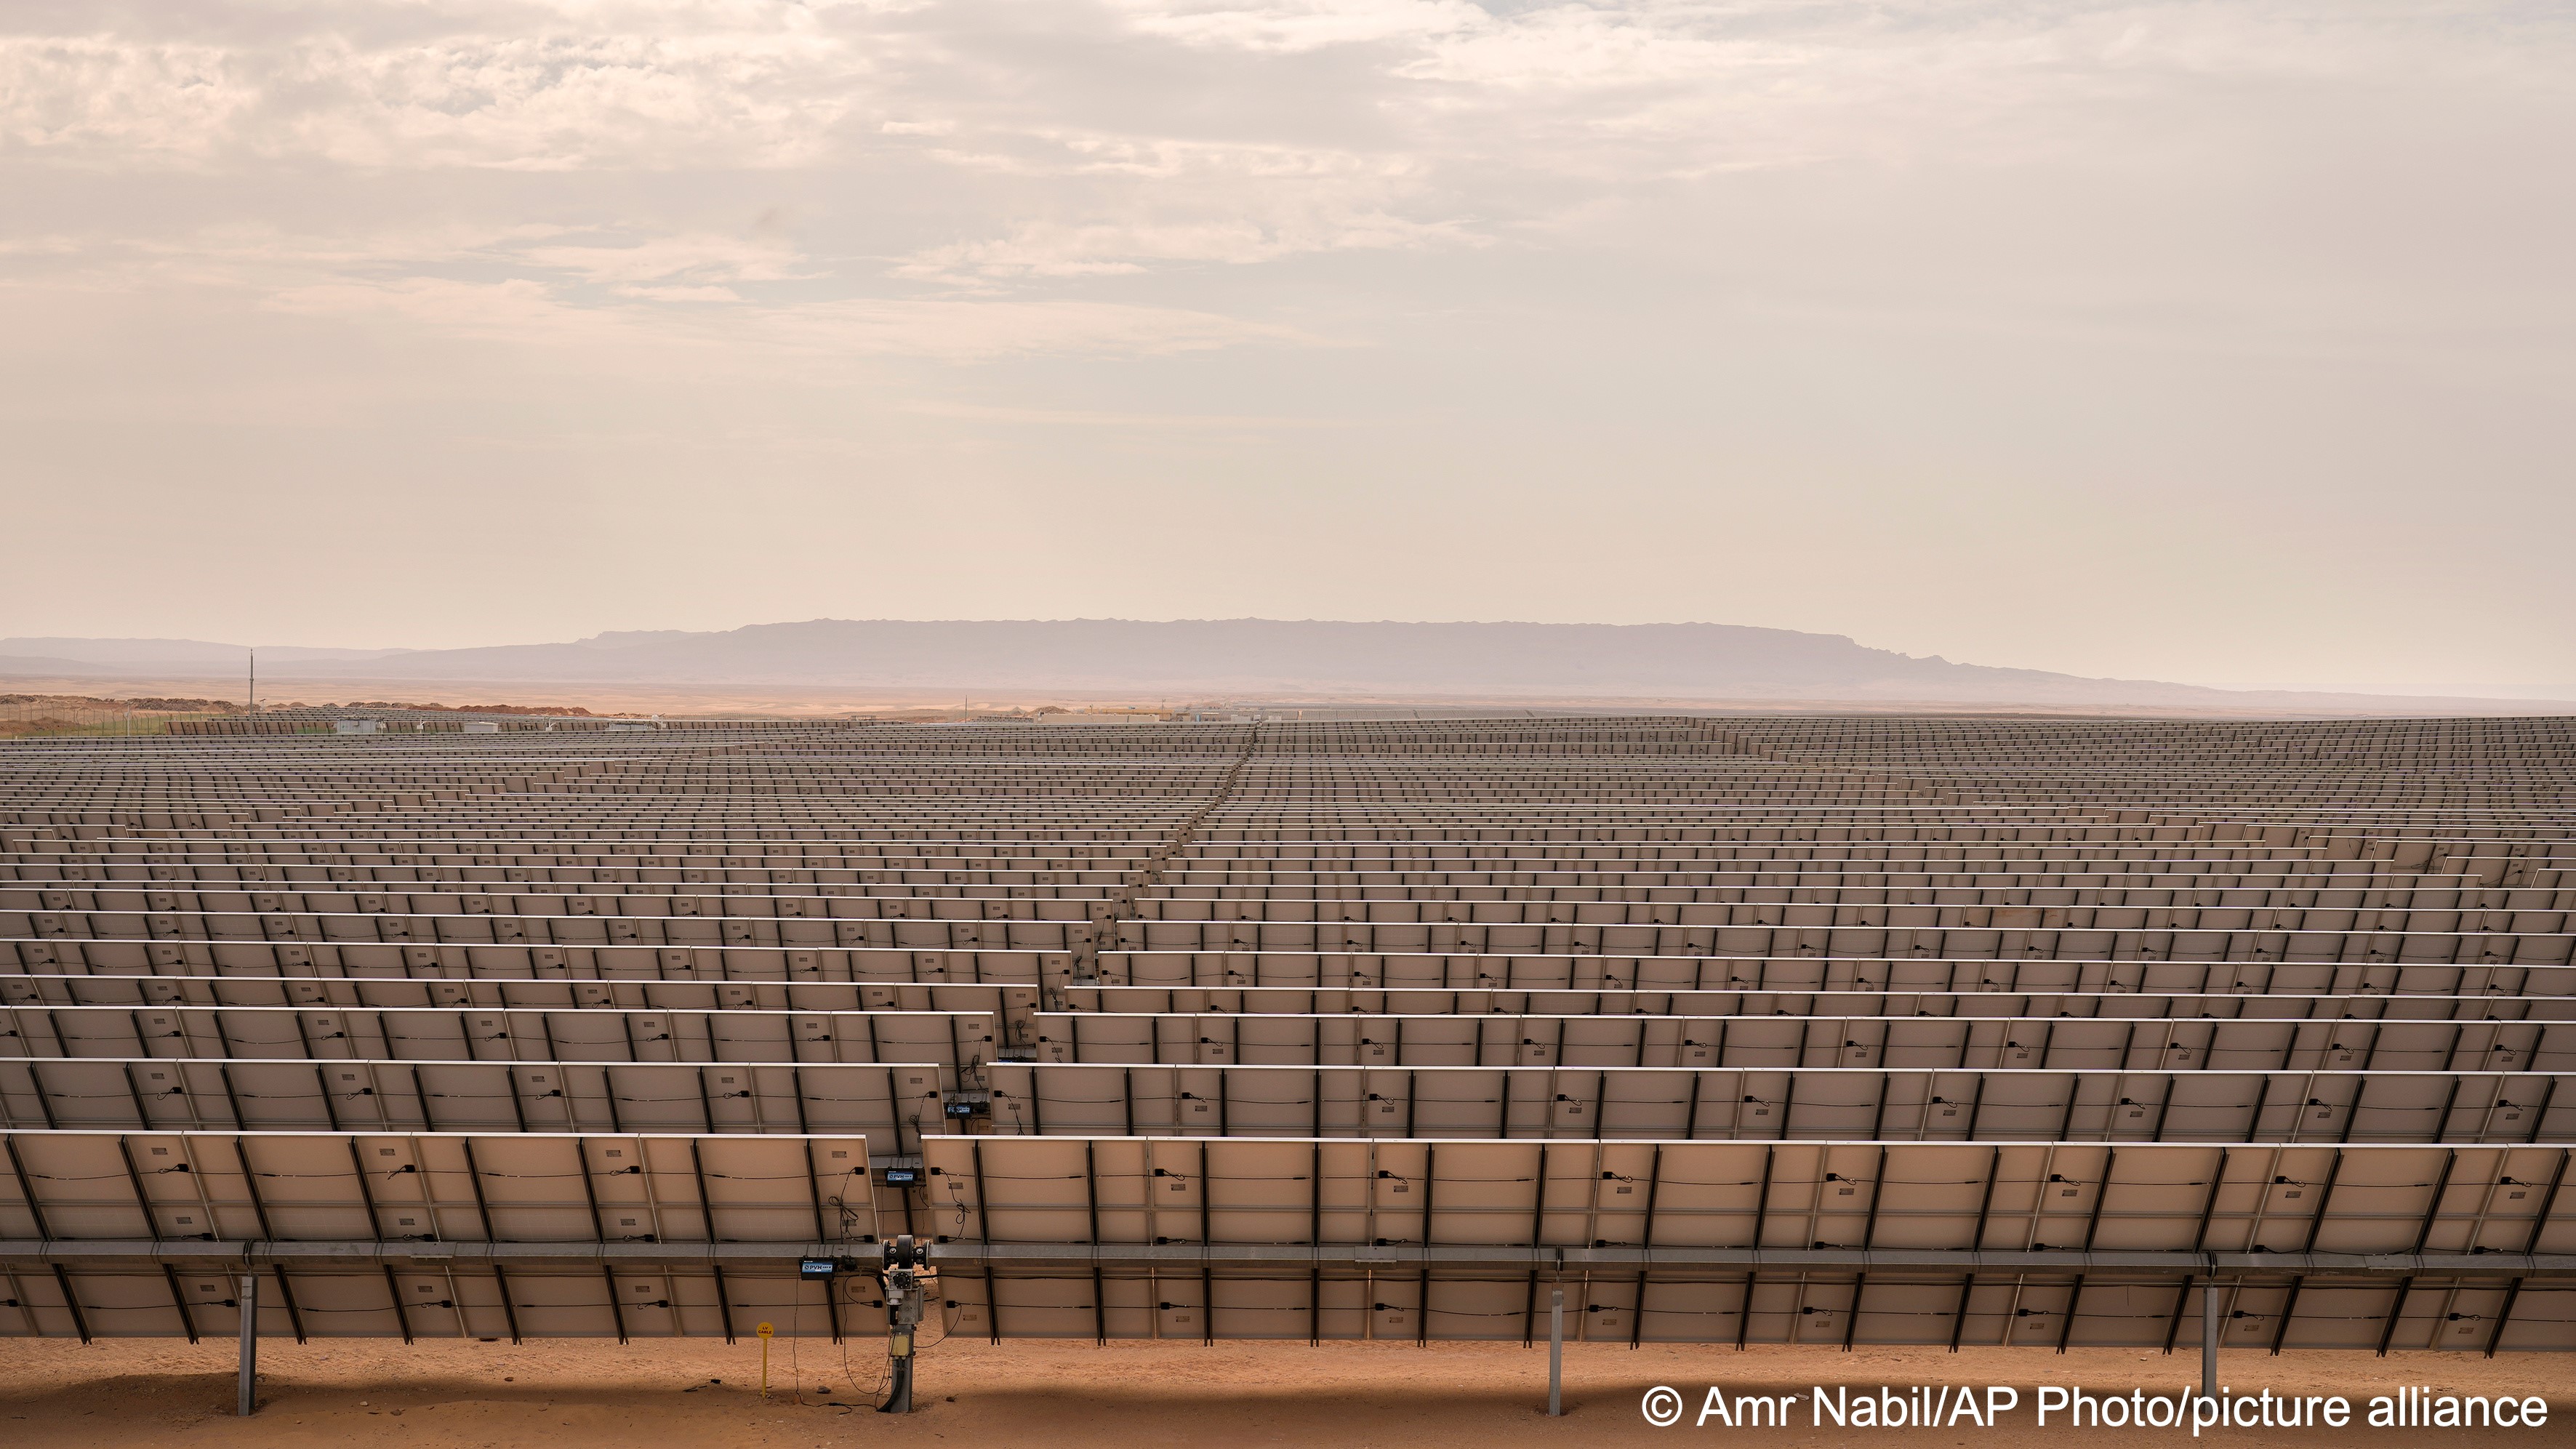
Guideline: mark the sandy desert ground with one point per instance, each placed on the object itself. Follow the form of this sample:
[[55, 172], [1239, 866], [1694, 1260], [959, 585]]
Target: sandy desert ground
[[452, 1395]]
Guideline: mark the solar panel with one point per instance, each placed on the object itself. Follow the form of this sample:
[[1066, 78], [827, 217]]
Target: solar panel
[[1287, 1238], [1823, 1031], [1643, 1103]]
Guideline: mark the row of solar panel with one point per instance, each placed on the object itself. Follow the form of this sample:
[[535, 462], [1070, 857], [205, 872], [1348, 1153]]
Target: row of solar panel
[[1019, 1004], [962, 952], [1444, 1039], [1016, 1098], [535, 1235]]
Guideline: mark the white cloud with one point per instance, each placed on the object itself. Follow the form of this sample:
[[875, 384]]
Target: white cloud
[[555, 145], [1301, 24], [1126, 248], [680, 294], [960, 330], [765, 97], [1377, 124], [114, 99], [749, 340], [697, 257]]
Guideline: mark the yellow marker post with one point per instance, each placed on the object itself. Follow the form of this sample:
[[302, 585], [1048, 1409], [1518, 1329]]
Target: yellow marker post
[[765, 1331]]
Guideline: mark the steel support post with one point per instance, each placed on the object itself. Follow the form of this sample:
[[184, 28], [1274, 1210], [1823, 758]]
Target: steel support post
[[249, 1397], [1555, 1353], [904, 1261], [2210, 1318]]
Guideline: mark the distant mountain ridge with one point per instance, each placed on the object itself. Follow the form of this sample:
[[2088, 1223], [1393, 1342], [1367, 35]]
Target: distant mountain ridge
[[165, 653], [1204, 657]]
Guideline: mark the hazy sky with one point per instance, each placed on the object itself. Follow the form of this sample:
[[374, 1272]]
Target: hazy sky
[[2213, 342]]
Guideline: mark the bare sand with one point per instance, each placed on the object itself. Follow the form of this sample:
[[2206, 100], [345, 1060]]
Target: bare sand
[[586, 1395]]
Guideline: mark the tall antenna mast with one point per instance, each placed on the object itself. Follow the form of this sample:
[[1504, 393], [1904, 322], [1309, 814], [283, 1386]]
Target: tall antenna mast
[[254, 682]]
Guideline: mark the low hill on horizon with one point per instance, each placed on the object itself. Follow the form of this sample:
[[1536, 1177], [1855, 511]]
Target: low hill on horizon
[[1711, 663]]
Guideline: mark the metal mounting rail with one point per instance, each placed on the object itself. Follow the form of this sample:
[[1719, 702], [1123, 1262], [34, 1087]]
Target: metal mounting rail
[[322, 1255]]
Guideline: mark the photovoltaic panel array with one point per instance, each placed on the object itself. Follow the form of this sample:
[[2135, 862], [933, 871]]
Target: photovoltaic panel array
[[1829, 1030]]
